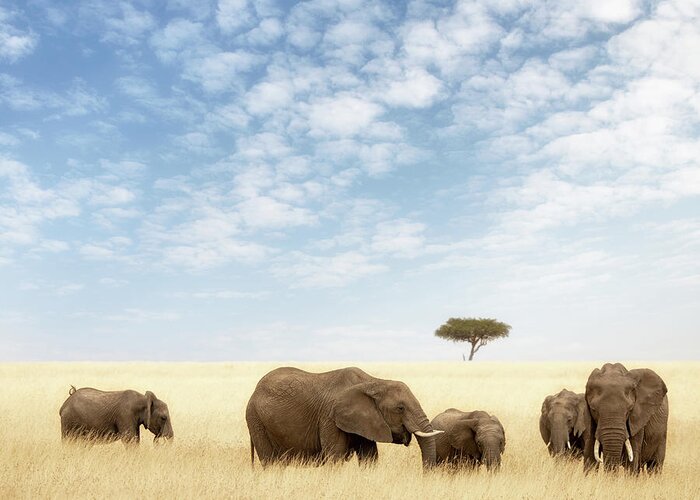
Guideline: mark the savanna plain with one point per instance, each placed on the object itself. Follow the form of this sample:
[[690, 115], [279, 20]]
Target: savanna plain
[[210, 457]]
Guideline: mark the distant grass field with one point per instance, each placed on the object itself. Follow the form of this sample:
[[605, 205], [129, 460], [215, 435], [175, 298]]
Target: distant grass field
[[210, 457]]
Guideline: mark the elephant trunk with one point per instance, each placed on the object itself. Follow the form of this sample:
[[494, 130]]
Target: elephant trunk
[[166, 433], [559, 439], [425, 435], [612, 442], [492, 459]]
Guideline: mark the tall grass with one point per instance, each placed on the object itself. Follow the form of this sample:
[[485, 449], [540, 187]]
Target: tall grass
[[210, 457]]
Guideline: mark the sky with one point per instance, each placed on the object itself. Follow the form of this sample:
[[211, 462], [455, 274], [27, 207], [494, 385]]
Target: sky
[[332, 181]]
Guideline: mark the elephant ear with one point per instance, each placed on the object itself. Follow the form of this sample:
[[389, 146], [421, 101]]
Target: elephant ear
[[150, 398], [650, 391], [583, 417], [356, 412], [545, 404], [544, 424], [462, 435]]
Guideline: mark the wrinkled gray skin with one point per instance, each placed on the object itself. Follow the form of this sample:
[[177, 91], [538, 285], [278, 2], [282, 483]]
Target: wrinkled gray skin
[[565, 423], [320, 417], [627, 405], [107, 416], [470, 439]]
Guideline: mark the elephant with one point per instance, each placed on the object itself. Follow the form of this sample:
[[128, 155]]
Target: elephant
[[327, 417], [629, 418], [107, 416], [470, 439], [565, 423]]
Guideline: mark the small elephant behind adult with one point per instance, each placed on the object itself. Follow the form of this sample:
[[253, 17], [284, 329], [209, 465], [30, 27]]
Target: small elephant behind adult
[[107, 416], [470, 439], [565, 423]]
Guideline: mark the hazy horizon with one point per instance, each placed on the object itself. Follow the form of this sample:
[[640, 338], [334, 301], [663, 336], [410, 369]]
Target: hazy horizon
[[326, 181]]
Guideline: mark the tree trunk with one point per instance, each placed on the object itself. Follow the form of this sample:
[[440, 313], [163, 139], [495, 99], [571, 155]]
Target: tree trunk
[[471, 354]]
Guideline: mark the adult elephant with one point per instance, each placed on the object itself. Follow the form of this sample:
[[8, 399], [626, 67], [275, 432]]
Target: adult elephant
[[330, 416], [109, 416], [565, 423], [629, 418], [470, 439]]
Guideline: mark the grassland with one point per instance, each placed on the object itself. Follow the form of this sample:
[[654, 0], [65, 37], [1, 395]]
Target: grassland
[[211, 457]]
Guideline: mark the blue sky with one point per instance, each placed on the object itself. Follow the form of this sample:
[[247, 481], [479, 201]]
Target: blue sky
[[201, 180]]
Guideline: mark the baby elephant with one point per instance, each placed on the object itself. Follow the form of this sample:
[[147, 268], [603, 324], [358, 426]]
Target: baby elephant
[[470, 439], [565, 423], [109, 416]]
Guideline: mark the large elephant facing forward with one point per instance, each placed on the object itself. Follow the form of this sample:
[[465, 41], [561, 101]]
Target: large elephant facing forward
[[629, 418], [470, 439], [330, 416], [565, 423], [113, 415]]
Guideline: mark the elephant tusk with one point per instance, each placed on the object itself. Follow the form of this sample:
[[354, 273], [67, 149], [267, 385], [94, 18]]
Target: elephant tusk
[[596, 452], [550, 442], [568, 444], [628, 446], [427, 434]]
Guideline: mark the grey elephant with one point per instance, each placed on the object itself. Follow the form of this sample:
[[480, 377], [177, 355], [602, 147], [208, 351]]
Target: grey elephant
[[321, 417], [565, 423], [470, 439], [106, 416], [629, 418]]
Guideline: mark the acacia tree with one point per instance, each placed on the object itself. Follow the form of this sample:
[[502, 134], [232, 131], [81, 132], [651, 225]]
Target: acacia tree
[[477, 331]]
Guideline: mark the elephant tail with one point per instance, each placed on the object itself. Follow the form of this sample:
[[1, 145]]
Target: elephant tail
[[252, 453], [72, 390]]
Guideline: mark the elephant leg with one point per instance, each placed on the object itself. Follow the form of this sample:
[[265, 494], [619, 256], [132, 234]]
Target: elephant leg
[[656, 464], [128, 431], [260, 440], [366, 450], [335, 445]]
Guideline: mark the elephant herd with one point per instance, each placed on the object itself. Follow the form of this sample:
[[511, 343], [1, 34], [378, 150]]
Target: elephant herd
[[621, 419], [329, 417]]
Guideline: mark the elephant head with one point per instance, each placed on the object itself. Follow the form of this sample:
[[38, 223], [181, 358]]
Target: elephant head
[[156, 418], [621, 402], [564, 418], [479, 434], [385, 411]]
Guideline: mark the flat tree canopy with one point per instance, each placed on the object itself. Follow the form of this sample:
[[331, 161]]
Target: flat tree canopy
[[476, 331]]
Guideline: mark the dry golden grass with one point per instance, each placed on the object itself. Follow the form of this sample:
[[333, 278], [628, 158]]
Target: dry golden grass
[[211, 456]]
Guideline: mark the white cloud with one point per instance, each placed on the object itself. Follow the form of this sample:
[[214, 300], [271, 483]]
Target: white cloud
[[343, 115], [234, 15], [221, 72], [220, 295], [25, 206], [128, 26], [268, 97], [612, 11], [417, 89], [114, 248], [307, 271], [180, 35], [8, 139], [15, 43], [266, 212], [136, 315], [399, 237], [267, 32]]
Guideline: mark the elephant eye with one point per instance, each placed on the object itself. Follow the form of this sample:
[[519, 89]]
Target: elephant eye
[[163, 418], [400, 408]]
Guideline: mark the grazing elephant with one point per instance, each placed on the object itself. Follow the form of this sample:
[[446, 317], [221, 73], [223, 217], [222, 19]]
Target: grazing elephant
[[321, 417], [565, 423], [470, 439], [629, 418], [108, 416]]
